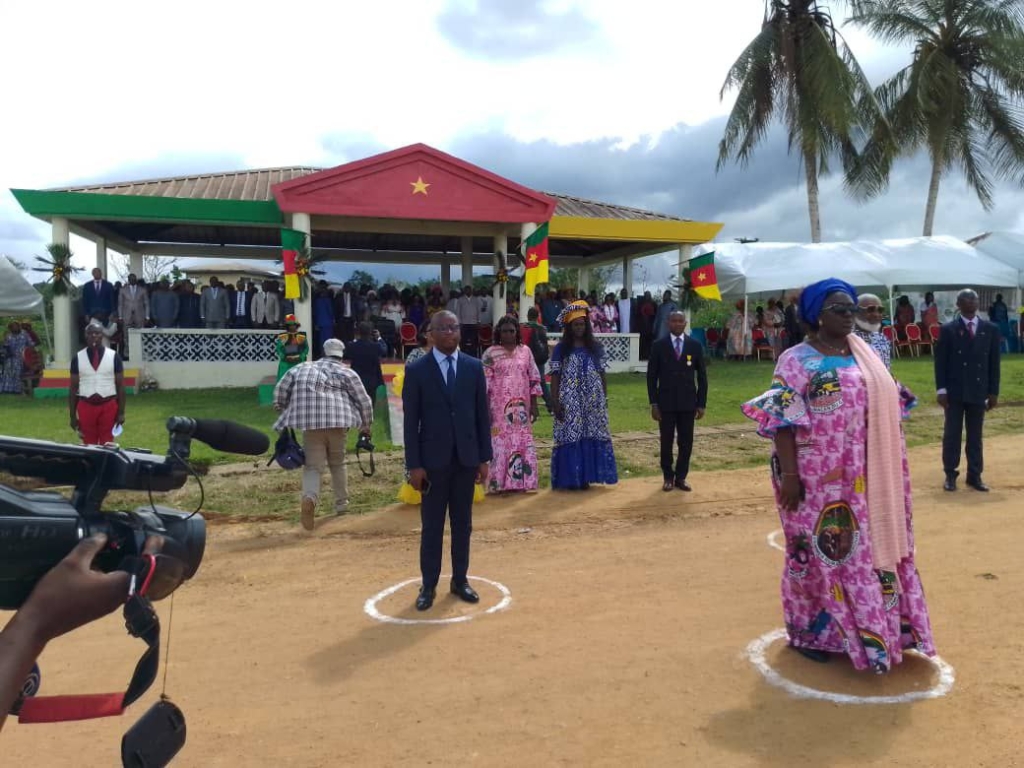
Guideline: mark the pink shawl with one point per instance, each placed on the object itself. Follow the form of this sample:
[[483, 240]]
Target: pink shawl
[[886, 502]]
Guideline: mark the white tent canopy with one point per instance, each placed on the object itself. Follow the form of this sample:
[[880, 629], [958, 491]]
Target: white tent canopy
[[1007, 247], [912, 263], [17, 296]]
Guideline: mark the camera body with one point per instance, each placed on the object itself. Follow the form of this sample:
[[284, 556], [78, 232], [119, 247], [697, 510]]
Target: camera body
[[364, 443], [39, 528]]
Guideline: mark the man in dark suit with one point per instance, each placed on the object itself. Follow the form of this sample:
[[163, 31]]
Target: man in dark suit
[[447, 450], [677, 386], [967, 384], [241, 306], [97, 298]]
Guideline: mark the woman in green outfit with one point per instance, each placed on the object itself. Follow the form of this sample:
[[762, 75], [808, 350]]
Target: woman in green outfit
[[292, 346]]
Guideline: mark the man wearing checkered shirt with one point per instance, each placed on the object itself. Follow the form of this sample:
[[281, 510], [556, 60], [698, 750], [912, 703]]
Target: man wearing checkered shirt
[[324, 399]]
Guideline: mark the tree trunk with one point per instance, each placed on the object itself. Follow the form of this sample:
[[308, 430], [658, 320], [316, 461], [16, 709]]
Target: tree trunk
[[813, 209], [933, 198]]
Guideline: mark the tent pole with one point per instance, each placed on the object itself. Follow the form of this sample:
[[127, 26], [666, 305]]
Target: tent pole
[[743, 341], [892, 306]]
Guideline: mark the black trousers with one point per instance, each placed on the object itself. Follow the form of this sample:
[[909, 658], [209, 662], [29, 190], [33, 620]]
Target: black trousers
[[959, 413], [451, 492], [680, 425]]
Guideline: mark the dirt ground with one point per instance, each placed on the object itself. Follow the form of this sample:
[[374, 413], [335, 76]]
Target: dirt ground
[[623, 645]]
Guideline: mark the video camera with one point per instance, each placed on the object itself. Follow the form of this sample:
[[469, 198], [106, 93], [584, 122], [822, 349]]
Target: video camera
[[37, 529]]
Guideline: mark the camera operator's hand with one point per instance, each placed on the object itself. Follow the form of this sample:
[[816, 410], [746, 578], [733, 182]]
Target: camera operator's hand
[[366, 432], [70, 595]]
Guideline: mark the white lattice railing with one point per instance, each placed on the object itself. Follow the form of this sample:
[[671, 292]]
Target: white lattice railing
[[200, 345], [194, 358]]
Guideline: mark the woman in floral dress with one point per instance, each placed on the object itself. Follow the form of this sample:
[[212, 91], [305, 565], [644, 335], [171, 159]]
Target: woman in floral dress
[[513, 386], [583, 443], [842, 485]]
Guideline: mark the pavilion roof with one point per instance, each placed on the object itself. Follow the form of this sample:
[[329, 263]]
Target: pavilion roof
[[256, 186]]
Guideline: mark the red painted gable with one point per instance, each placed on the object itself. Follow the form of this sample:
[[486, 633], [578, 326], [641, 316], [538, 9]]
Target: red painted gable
[[415, 182]]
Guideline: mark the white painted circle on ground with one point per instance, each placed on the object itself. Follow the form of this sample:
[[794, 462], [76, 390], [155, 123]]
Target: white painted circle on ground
[[757, 650], [773, 540], [370, 606]]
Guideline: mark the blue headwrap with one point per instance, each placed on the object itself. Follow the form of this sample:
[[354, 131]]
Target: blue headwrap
[[813, 296]]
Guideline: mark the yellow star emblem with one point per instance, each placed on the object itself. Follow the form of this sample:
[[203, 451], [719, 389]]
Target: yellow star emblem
[[419, 186], [701, 276], [532, 258]]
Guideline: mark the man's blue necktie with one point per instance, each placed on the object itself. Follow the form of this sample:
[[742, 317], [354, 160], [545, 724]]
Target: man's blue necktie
[[450, 375]]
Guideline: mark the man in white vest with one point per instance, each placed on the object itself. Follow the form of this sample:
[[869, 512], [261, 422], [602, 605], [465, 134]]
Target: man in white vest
[[96, 392]]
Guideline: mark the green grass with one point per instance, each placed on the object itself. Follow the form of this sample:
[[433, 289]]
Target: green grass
[[729, 385], [146, 415]]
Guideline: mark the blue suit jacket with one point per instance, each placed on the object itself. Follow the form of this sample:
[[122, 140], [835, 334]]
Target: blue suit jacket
[[968, 369], [440, 429], [103, 302]]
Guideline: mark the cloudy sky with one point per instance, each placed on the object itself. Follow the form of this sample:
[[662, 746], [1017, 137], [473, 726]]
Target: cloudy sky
[[604, 99]]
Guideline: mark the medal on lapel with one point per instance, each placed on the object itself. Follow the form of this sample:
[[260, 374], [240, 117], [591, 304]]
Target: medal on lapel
[[689, 360]]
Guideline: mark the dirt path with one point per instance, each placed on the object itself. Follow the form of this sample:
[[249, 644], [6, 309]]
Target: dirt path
[[623, 644]]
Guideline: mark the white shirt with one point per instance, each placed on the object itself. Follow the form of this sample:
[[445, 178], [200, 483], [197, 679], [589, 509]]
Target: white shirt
[[681, 338], [971, 325], [441, 358], [624, 310]]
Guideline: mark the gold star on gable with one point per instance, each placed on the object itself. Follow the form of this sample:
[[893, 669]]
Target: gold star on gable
[[419, 186]]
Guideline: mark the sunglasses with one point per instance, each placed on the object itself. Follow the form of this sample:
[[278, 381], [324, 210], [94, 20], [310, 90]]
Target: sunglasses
[[842, 309], [872, 308]]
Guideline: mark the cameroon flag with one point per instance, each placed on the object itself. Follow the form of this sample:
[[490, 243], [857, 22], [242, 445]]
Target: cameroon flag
[[535, 251], [293, 242], [703, 279]]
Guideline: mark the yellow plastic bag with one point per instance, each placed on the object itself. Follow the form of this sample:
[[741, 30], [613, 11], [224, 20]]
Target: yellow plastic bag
[[409, 495]]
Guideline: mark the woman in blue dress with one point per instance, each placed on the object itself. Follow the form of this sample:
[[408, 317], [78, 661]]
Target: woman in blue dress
[[583, 443]]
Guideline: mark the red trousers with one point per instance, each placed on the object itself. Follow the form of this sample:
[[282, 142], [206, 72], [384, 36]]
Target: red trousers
[[96, 421]]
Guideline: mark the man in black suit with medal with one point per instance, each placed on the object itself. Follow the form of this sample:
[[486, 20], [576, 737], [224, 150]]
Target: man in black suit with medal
[[677, 386], [447, 450], [967, 384]]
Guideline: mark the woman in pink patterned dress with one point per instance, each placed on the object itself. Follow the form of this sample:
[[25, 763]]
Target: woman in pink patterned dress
[[849, 584], [513, 386]]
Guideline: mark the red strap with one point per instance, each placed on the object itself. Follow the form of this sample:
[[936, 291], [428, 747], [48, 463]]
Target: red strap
[[56, 709]]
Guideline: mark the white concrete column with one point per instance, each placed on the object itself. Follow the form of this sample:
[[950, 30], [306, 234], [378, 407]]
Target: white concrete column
[[627, 274], [500, 302], [135, 265], [304, 307], [446, 278], [685, 254], [467, 261], [101, 256], [584, 282], [65, 325]]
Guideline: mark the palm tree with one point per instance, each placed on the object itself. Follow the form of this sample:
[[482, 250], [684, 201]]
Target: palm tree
[[798, 66], [960, 97]]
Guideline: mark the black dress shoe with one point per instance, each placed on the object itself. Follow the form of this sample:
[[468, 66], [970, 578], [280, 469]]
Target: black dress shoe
[[977, 484], [682, 485], [465, 592], [425, 599], [950, 484]]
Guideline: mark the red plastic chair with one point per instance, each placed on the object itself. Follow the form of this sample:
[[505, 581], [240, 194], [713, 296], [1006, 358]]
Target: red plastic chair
[[913, 340], [713, 338], [407, 333], [890, 333], [761, 343], [485, 336]]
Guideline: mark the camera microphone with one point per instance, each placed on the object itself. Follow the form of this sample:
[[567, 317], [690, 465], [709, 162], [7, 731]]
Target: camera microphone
[[221, 435]]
